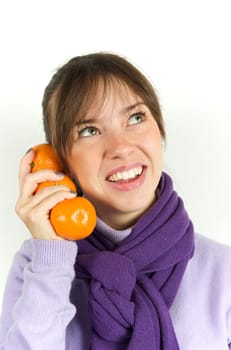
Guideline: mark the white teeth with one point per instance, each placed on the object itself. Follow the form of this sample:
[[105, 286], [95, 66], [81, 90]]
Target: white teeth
[[126, 175]]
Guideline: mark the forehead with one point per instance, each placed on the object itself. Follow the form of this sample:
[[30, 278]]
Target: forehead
[[111, 93]]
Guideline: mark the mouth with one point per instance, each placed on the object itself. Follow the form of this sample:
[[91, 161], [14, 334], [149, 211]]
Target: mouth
[[127, 175]]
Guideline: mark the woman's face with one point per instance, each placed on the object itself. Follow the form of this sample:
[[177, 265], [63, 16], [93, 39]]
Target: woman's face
[[117, 156]]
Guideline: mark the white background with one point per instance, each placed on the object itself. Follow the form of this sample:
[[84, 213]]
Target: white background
[[183, 46]]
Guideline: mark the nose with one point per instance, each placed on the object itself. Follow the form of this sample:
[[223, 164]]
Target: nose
[[118, 145]]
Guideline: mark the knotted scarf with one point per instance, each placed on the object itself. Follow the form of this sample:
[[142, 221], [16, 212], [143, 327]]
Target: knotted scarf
[[133, 284]]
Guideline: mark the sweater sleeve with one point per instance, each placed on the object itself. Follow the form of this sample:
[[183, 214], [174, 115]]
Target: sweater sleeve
[[36, 305]]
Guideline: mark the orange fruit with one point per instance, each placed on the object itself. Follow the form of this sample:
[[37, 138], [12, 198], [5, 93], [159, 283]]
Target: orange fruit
[[65, 181], [45, 158], [74, 218]]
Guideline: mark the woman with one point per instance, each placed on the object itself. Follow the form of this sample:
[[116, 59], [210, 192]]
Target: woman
[[143, 280]]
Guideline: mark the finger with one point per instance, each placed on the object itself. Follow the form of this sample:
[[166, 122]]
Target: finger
[[48, 191], [32, 180], [38, 208], [25, 166], [49, 202]]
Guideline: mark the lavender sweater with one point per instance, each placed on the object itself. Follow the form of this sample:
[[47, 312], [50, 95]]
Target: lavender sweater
[[45, 307]]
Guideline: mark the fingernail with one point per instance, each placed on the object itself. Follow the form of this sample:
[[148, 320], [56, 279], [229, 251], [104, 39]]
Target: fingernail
[[59, 173], [28, 151], [73, 192]]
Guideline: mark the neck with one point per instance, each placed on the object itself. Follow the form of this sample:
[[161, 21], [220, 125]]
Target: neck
[[115, 235]]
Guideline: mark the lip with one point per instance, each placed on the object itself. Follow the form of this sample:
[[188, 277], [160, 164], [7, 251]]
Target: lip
[[125, 168], [130, 184]]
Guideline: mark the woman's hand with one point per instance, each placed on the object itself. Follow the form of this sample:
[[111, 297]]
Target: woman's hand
[[34, 208]]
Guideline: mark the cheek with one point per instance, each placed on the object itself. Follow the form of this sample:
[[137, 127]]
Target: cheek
[[152, 146], [153, 142], [83, 165], [75, 162]]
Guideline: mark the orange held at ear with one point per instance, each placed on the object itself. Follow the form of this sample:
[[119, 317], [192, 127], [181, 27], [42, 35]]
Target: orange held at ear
[[65, 181], [45, 158], [74, 218]]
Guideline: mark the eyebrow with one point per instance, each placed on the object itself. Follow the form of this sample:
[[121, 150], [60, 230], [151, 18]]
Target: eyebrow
[[124, 110], [131, 107], [86, 121]]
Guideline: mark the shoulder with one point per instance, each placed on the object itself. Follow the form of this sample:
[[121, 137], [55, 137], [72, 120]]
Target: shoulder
[[203, 299], [210, 252], [207, 278], [210, 268]]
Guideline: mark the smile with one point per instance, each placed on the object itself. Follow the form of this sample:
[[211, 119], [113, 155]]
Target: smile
[[126, 175]]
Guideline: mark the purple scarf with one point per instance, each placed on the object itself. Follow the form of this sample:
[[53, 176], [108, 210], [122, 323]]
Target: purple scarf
[[133, 285]]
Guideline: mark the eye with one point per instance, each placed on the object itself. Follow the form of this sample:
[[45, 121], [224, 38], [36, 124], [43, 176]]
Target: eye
[[89, 131], [136, 118]]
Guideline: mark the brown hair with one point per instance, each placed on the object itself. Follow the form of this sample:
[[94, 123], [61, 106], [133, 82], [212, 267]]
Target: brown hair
[[73, 87]]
